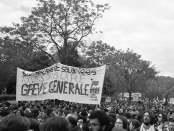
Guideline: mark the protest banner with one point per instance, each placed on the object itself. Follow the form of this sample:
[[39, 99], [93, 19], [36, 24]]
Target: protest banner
[[108, 99], [81, 85], [171, 101]]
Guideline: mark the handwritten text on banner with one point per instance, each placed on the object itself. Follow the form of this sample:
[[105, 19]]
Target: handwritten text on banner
[[81, 85]]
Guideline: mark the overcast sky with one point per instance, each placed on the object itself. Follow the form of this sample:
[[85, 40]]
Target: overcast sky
[[144, 26]]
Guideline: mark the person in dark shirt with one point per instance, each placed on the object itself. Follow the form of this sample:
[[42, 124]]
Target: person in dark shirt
[[14, 123], [56, 123]]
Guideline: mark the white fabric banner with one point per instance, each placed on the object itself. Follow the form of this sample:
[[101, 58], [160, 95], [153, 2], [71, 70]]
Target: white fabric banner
[[81, 85]]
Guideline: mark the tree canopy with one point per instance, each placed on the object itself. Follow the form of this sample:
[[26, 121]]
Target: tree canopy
[[130, 70], [63, 25]]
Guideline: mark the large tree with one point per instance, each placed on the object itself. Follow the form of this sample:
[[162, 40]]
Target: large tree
[[62, 24], [16, 54], [130, 70]]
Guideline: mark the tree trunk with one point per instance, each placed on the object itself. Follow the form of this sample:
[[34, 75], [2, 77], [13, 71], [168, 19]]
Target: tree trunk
[[122, 96], [130, 97], [166, 101], [149, 103]]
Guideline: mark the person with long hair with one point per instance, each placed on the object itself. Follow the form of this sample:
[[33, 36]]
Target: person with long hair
[[148, 122], [134, 124], [162, 118], [121, 122]]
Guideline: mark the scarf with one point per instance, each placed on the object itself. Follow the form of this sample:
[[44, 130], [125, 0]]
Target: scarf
[[152, 128]]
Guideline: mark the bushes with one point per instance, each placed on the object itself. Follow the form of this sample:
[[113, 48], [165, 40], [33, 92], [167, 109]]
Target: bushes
[[7, 97]]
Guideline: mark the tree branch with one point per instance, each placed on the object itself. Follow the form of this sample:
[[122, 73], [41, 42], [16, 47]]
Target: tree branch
[[46, 53], [50, 34]]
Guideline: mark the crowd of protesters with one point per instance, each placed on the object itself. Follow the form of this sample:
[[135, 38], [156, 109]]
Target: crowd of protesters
[[67, 116]]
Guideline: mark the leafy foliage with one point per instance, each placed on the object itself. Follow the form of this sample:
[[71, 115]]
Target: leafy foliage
[[63, 25], [130, 70], [160, 87], [94, 55], [15, 54], [108, 87]]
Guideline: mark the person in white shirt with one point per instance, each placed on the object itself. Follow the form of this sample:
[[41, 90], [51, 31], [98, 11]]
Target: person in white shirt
[[148, 122]]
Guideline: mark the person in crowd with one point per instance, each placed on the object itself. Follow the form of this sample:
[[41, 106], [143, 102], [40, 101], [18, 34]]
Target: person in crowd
[[72, 120], [19, 112], [165, 126], [121, 122], [81, 120], [112, 123], [35, 113], [42, 118], [58, 112], [98, 121], [83, 113], [112, 117], [3, 113], [171, 124], [48, 112], [148, 122], [55, 123], [127, 115], [161, 119], [34, 125], [118, 129], [134, 124], [121, 111], [14, 122], [172, 113], [84, 127]]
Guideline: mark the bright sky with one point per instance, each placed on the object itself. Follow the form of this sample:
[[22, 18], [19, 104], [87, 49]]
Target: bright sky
[[145, 26]]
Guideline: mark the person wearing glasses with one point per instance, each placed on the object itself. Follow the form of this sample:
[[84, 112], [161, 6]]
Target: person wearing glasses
[[162, 118], [98, 121]]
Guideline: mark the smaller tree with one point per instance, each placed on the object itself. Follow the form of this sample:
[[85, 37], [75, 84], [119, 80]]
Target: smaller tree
[[129, 69], [166, 86], [160, 87], [151, 91]]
